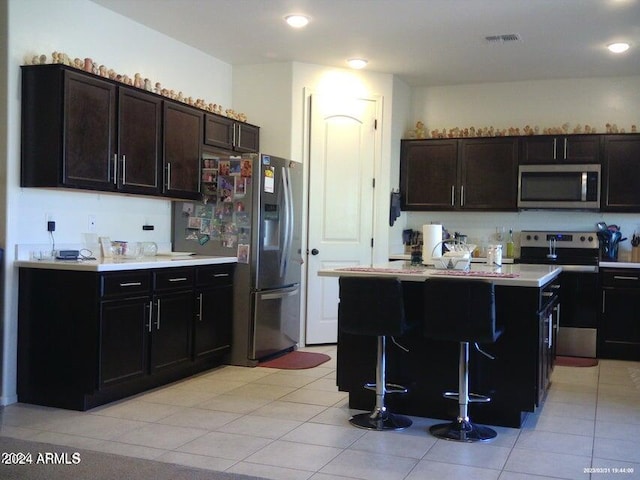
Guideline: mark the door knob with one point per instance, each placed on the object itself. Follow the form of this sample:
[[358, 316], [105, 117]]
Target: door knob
[[315, 251]]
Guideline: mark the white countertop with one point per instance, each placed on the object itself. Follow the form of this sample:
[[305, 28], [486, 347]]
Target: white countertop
[[111, 265], [407, 256], [619, 264], [516, 275]]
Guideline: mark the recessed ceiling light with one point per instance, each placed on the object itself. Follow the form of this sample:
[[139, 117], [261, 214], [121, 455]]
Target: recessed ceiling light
[[618, 47], [297, 20], [357, 63]]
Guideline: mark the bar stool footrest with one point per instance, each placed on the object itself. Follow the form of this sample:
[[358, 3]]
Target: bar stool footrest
[[473, 397], [389, 388]]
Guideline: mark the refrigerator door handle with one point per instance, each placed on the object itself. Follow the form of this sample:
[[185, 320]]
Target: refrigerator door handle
[[288, 230], [275, 296]]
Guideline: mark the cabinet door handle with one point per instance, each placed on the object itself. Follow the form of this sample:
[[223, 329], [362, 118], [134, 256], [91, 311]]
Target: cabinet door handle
[[624, 277], [604, 296], [169, 176], [158, 316], [233, 140], [555, 143], [150, 315], [124, 169], [115, 169], [131, 284], [218, 275], [178, 279], [565, 148], [462, 196], [200, 307], [239, 142], [453, 195]]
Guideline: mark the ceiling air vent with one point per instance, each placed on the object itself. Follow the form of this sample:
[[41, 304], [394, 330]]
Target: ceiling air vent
[[508, 37]]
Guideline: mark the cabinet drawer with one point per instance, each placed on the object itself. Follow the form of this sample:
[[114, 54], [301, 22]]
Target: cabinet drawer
[[130, 283], [629, 278], [215, 275], [173, 278]]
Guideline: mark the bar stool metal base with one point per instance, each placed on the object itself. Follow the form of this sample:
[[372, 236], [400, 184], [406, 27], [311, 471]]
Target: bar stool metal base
[[380, 420], [463, 431]]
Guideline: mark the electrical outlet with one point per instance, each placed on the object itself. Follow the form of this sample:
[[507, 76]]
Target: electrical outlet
[[92, 224]]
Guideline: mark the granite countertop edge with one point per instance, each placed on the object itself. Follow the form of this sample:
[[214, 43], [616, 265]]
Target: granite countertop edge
[[109, 265]]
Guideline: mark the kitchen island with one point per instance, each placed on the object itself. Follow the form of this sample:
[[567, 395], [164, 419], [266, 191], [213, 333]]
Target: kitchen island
[[94, 331], [516, 380]]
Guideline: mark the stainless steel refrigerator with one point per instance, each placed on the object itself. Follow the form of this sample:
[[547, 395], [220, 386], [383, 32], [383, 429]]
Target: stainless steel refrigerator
[[252, 210]]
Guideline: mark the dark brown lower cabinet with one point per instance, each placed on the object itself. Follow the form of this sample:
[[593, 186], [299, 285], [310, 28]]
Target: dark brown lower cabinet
[[214, 288], [619, 328], [87, 338], [171, 330], [124, 340]]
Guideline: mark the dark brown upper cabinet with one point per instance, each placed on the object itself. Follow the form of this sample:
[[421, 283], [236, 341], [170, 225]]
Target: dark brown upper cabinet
[[80, 131], [182, 141], [68, 130], [83, 131], [428, 174], [560, 149], [459, 174], [488, 174], [228, 134], [621, 173], [139, 145]]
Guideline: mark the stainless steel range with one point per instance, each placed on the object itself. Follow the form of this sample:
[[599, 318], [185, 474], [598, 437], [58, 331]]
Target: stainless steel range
[[578, 254]]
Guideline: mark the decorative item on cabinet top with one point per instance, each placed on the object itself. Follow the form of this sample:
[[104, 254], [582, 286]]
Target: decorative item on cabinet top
[[90, 66], [420, 132]]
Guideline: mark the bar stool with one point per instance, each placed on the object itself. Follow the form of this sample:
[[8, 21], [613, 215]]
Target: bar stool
[[374, 306], [463, 311]]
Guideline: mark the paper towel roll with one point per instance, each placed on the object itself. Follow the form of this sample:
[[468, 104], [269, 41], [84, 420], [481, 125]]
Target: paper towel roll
[[431, 236]]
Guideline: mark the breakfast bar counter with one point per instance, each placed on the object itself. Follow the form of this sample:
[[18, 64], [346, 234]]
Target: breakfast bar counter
[[516, 380], [517, 275]]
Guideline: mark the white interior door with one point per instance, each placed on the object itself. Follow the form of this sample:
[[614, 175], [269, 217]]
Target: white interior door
[[341, 196]]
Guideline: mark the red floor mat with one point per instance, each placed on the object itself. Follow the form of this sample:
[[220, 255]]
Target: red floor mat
[[296, 360], [576, 361]]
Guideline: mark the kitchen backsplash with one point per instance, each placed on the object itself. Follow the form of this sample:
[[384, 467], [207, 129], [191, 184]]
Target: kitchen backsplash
[[481, 227]]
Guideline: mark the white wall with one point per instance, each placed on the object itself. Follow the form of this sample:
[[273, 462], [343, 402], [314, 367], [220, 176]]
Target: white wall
[[263, 92], [548, 103], [82, 29]]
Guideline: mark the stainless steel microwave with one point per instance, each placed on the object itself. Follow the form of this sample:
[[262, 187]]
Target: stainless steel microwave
[[568, 186]]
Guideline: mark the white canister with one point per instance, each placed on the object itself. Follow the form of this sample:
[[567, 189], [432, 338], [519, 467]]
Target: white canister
[[494, 255]]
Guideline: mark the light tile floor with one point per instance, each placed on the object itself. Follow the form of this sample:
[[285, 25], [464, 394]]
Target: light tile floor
[[292, 424]]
